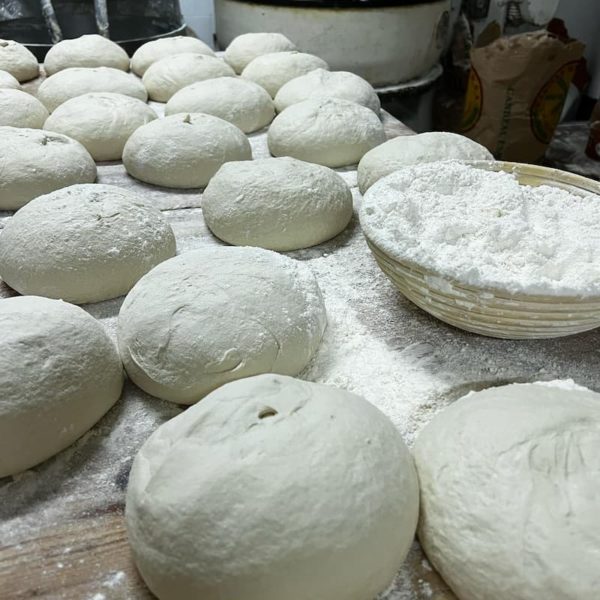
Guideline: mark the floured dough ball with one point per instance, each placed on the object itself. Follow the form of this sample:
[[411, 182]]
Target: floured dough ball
[[510, 480], [246, 47], [271, 71], [84, 243], [215, 315], [170, 74], [17, 60], [244, 103], [86, 51], [276, 203], [329, 131], [328, 84], [102, 122], [69, 83], [410, 150], [152, 52], [19, 109], [36, 162], [59, 373], [274, 488], [184, 150], [8, 82]]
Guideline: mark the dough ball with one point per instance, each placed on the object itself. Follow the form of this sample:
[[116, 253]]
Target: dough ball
[[152, 52], [246, 47], [8, 82], [86, 51], [243, 103], [36, 162], [84, 243], [20, 109], [69, 83], [271, 71], [276, 203], [102, 122], [59, 373], [328, 131], [17, 60], [215, 315], [170, 74], [410, 150], [184, 150], [510, 480], [328, 84]]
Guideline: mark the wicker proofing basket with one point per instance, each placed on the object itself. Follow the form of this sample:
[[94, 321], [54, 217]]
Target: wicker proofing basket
[[494, 312]]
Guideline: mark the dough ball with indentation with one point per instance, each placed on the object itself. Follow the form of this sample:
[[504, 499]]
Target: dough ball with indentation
[[275, 488], [91, 50], [170, 74], [59, 373], [151, 52], [19, 109], [69, 83], [8, 81], [36, 162], [276, 203], [184, 150], [244, 48], [510, 480], [272, 71], [17, 60], [102, 122], [330, 132], [410, 150], [84, 243], [215, 315]]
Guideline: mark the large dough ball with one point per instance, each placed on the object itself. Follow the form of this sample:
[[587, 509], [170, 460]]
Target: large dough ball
[[102, 122], [244, 103], [246, 47], [151, 52], [329, 131], [184, 150], [214, 315], [273, 488], [69, 83], [17, 60], [410, 150], [321, 83], [19, 109], [85, 243], [276, 203], [59, 373], [8, 81], [510, 481], [36, 162], [170, 74], [91, 50], [271, 71]]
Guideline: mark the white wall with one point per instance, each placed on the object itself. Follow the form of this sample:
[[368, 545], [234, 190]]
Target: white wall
[[200, 16]]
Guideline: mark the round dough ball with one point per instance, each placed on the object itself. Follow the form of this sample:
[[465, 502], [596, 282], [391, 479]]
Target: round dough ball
[[151, 52], [17, 60], [84, 243], [410, 150], [102, 122], [272, 71], [243, 103], [36, 162], [328, 84], [510, 480], [328, 131], [184, 150], [19, 109], [59, 373], [8, 82], [91, 50], [170, 74], [244, 48], [69, 83], [276, 203], [215, 315]]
